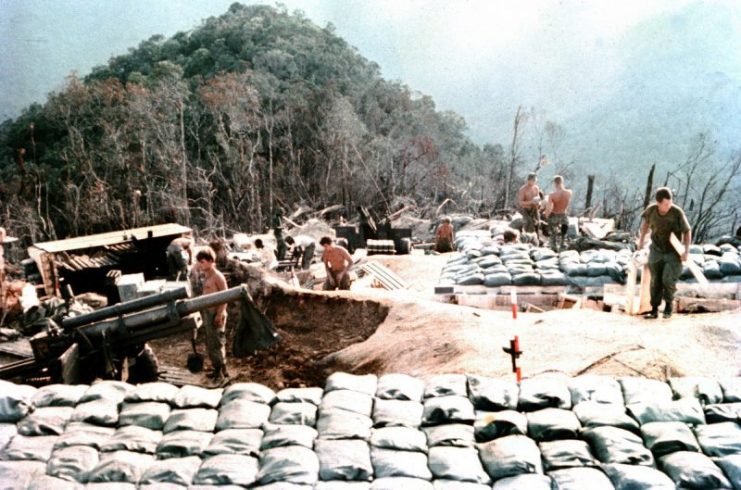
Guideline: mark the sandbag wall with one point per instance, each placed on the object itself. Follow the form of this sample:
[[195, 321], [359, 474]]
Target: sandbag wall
[[483, 262], [366, 432]]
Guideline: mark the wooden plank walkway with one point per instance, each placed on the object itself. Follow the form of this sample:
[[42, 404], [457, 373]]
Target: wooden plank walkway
[[388, 279]]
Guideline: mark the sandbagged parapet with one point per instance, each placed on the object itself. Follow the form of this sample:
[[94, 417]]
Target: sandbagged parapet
[[447, 431]]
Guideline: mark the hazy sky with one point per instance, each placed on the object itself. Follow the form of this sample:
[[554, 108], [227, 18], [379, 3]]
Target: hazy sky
[[469, 55]]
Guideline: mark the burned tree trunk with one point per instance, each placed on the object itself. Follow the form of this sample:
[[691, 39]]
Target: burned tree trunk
[[590, 186], [649, 186]]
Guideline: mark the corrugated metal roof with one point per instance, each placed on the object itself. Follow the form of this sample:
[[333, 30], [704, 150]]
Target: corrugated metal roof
[[112, 238]]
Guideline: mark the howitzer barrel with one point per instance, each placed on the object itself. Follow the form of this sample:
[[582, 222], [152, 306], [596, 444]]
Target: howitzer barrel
[[165, 313], [121, 309]]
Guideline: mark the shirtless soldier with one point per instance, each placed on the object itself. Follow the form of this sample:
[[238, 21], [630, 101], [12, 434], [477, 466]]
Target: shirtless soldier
[[528, 199], [214, 319], [555, 213], [337, 263]]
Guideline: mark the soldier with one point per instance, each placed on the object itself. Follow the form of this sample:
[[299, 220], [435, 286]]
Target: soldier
[[303, 247], [210, 280], [555, 213], [664, 218], [337, 262], [528, 199], [444, 237], [179, 257]]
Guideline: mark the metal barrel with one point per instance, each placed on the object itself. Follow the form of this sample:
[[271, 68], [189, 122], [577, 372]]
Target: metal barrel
[[165, 313], [121, 309]]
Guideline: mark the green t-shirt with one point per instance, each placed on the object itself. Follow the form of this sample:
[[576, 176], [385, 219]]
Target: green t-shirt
[[662, 226]]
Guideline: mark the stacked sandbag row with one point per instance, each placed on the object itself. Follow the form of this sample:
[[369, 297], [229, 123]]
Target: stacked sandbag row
[[718, 263], [367, 432], [594, 267]]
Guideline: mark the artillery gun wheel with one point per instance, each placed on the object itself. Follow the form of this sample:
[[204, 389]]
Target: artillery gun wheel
[[146, 367]]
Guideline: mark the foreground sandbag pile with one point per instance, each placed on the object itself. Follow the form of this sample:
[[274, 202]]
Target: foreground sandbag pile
[[389, 432], [483, 262]]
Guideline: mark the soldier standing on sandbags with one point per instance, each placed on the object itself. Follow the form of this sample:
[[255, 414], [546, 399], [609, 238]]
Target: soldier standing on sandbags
[[206, 281], [528, 199], [555, 213], [664, 218]]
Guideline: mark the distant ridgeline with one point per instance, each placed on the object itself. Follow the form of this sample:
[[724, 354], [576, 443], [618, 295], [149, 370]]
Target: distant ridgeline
[[218, 127]]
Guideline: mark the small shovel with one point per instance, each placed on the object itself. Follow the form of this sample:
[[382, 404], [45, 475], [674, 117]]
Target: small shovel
[[195, 360]]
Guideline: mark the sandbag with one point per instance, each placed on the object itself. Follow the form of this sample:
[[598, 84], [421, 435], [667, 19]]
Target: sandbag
[[7, 431], [580, 478], [693, 470], [595, 388], [365, 383], [395, 386], [632, 477], [593, 414], [36, 448], [225, 469], [492, 394], [45, 421], [73, 463], [175, 471], [46, 482], [457, 435], [687, 410], [257, 393], [157, 391], [456, 463], [287, 435], [510, 456], [300, 413], [553, 278], [644, 390], [543, 392], [82, 434], [550, 424], [200, 419], [121, 467], [352, 401], [151, 415], [58, 395], [711, 249], [19, 474], [571, 453], [341, 424], [471, 279], [721, 412], [706, 390], [15, 401], [542, 253], [291, 464], [399, 438], [110, 390], [235, 441], [730, 265], [596, 269], [497, 279], [488, 261], [491, 425], [731, 389], [731, 466], [397, 413], [719, 439], [574, 269], [388, 463], [446, 385], [711, 270], [663, 438], [242, 414], [133, 438], [297, 395], [344, 460], [191, 396], [182, 443], [613, 445], [397, 482], [98, 412], [447, 410], [529, 481], [526, 279]]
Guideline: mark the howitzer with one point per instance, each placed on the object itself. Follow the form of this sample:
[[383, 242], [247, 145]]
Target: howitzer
[[110, 343]]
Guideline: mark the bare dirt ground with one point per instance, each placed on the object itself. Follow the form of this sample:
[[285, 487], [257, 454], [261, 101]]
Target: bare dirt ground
[[377, 331]]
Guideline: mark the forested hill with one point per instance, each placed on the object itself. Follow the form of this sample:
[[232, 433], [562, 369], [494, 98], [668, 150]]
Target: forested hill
[[218, 127]]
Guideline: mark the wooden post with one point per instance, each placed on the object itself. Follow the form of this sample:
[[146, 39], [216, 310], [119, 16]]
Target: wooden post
[[590, 186], [649, 186]]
